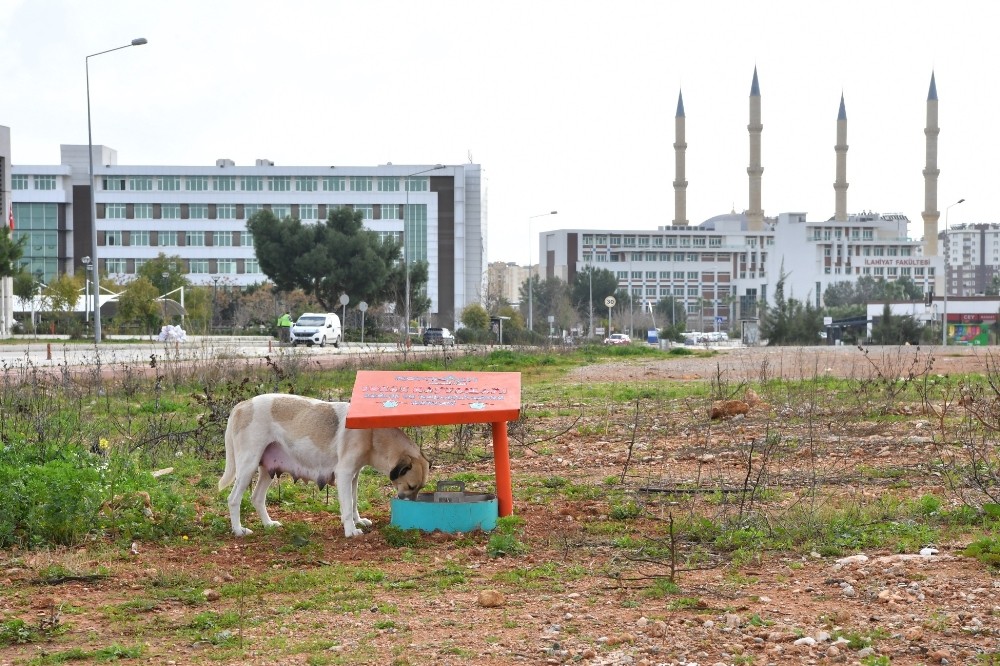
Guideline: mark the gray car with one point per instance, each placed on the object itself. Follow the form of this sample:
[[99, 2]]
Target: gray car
[[439, 336]]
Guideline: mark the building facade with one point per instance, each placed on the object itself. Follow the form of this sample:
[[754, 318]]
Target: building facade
[[199, 213]]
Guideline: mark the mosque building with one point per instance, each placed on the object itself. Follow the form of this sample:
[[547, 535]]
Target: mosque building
[[723, 269]]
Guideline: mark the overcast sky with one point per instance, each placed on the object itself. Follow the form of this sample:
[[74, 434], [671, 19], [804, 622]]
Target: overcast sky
[[568, 106]]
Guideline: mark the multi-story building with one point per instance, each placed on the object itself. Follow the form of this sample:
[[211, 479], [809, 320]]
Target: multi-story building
[[199, 213], [973, 252], [720, 270]]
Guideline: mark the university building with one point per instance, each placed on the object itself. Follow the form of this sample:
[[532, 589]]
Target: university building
[[199, 213]]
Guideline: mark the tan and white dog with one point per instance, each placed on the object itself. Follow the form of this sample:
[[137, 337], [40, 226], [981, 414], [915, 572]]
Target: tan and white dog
[[307, 439]]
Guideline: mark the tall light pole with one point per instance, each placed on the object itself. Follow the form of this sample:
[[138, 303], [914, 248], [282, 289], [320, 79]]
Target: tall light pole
[[86, 289], [215, 293], [590, 275], [406, 246], [139, 41], [947, 264], [531, 319]]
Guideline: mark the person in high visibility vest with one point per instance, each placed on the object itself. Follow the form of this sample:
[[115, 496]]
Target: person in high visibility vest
[[285, 328]]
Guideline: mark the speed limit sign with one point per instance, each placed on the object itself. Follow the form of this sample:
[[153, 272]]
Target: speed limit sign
[[610, 301]]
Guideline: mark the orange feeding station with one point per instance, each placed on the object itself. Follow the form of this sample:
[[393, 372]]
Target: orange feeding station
[[390, 399]]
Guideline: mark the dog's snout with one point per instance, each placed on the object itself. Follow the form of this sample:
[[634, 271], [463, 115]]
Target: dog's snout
[[407, 494]]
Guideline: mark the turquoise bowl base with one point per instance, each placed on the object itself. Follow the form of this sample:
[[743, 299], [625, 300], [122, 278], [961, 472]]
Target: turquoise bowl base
[[445, 516]]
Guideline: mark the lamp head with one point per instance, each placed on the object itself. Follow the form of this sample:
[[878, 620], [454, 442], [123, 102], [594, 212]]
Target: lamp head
[[138, 41], [960, 201]]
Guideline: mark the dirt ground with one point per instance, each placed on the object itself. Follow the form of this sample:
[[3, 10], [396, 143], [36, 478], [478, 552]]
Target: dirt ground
[[574, 597]]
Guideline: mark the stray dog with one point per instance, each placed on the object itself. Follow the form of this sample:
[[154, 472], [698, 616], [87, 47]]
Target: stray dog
[[307, 438]]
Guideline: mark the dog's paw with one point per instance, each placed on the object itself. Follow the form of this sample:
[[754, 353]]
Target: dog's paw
[[242, 531], [352, 532], [364, 522], [273, 523]]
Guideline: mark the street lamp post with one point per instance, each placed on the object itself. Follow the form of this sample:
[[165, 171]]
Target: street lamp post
[[947, 264], [406, 246], [86, 289], [215, 293], [590, 276], [531, 305], [139, 41]]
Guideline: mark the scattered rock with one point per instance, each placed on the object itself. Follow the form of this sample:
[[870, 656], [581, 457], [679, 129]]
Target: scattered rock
[[490, 599]]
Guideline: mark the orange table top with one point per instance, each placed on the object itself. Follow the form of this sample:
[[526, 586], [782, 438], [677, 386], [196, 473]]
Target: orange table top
[[391, 399]]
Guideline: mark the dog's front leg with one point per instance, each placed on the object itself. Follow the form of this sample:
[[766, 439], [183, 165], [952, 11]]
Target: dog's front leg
[[347, 494], [258, 498], [358, 520]]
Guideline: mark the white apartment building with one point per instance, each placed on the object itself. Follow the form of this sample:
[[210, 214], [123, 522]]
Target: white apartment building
[[199, 214], [721, 270]]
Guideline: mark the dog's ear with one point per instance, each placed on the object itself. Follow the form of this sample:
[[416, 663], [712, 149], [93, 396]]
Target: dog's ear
[[401, 468]]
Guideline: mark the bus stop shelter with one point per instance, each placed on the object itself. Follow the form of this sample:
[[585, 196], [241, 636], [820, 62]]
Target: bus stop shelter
[[395, 399]]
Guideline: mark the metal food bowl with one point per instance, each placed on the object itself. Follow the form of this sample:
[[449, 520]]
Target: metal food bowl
[[448, 509]]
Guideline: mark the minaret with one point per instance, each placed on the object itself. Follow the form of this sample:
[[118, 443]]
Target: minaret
[[840, 186], [755, 215], [680, 184], [931, 214]]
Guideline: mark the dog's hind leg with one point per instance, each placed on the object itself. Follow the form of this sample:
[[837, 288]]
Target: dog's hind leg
[[259, 498], [358, 520], [235, 499]]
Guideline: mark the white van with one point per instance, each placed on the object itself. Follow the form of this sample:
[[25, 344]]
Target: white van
[[316, 328]]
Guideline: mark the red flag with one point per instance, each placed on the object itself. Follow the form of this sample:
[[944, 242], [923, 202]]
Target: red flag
[[10, 217]]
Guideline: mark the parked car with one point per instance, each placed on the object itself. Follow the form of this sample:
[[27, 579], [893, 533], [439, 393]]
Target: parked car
[[316, 328], [617, 339], [439, 336]]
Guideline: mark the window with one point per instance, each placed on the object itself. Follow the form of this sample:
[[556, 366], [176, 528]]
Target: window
[[643, 241], [169, 183], [361, 184], [18, 182], [693, 275], [699, 241], [636, 275], [651, 256], [388, 184], [692, 291], [195, 238], [246, 239], [225, 183], [198, 212], [115, 211], [139, 263], [223, 239], [308, 212], [281, 212], [140, 183], [143, 211], [113, 238], [305, 184], [251, 266], [367, 211], [671, 241], [250, 210], [199, 266], [170, 212], [391, 211], [416, 184], [167, 239], [629, 241], [139, 239], [252, 183], [226, 211], [279, 183], [650, 275], [601, 239], [114, 266], [196, 183], [715, 241], [333, 184], [45, 182], [227, 266], [114, 184]]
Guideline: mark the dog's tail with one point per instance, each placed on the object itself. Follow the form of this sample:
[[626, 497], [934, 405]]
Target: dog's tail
[[230, 472]]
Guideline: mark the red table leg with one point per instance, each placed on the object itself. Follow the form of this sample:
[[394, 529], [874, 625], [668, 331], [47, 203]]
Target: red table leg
[[501, 460]]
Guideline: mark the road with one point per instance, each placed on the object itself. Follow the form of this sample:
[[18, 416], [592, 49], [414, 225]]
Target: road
[[54, 351]]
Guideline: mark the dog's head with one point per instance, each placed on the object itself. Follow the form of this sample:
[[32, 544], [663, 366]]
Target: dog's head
[[409, 475]]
